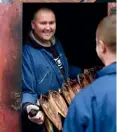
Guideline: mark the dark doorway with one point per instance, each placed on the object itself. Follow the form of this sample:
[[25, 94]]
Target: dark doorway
[[76, 27]]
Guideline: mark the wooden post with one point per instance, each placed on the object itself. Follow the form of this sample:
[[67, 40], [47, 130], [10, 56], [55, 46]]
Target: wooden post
[[10, 66]]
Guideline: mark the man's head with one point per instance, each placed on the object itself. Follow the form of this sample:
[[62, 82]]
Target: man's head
[[106, 39], [44, 24]]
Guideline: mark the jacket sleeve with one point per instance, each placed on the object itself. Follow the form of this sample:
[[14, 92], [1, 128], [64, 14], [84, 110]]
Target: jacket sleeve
[[74, 71], [78, 115], [28, 78]]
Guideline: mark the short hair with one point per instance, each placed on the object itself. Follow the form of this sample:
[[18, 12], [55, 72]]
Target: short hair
[[42, 9], [106, 31]]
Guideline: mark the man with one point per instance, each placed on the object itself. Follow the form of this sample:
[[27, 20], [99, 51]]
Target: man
[[45, 66], [94, 108]]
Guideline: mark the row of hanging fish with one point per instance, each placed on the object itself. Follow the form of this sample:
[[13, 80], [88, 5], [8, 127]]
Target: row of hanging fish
[[55, 104]]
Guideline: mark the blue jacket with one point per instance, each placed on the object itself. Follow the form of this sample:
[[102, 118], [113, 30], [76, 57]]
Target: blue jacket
[[94, 108], [40, 72]]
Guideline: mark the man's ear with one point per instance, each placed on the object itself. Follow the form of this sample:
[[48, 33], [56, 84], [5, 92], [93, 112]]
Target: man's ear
[[102, 46], [33, 24]]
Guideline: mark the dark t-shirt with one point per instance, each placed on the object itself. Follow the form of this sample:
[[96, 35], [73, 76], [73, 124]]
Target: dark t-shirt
[[56, 56]]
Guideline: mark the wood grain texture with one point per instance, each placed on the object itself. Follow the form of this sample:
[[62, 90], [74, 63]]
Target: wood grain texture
[[10, 87], [51, 1]]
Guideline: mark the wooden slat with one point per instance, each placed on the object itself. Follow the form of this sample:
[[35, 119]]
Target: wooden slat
[[10, 86], [51, 1]]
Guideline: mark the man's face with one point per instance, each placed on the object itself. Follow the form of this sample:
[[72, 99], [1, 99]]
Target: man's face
[[44, 25]]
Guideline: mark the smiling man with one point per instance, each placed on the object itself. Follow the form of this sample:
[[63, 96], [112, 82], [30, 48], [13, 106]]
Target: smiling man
[[45, 66]]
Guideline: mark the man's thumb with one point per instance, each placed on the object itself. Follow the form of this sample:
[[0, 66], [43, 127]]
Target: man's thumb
[[30, 107]]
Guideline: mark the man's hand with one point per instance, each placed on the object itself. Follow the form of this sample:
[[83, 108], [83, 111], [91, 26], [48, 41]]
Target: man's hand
[[39, 118]]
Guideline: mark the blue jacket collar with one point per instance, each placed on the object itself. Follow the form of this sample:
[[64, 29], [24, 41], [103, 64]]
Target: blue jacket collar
[[107, 70]]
